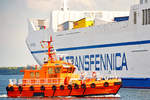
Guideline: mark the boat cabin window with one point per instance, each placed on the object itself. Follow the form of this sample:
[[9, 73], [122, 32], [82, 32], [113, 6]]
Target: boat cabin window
[[50, 70], [70, 70], [37, 75], [32, 74], [57, 69]]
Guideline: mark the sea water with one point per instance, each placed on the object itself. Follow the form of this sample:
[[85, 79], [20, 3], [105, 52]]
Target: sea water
[[123, 94]]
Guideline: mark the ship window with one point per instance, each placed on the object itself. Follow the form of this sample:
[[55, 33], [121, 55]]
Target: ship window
[[135, 15], [50, 70], [144, 13], [37, 75], [146, 20], [57, 70], [148, 16], [141, 1], [32, 74], [143, 17], [146, 1]]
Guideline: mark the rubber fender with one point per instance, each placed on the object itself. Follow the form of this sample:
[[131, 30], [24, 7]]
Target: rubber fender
[[54, 87], [83, 86], [11, 88], [31, 88], [93, 85], [70, 87], [106, 84], [42, 87], [20, 88], [62, 87], [7, 88], [76, 86]]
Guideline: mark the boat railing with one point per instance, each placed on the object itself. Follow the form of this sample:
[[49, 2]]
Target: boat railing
[[48, 81], [53, 81]]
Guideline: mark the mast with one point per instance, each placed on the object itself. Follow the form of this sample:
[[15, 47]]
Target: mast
[[65, 8], [50, 47]]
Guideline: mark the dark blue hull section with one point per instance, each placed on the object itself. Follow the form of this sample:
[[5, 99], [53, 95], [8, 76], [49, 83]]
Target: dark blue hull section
[[135, 82]]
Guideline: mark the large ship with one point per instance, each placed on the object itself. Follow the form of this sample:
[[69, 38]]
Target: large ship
[[109, 43]]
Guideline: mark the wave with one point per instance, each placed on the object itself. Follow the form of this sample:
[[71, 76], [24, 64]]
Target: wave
[[107, 96], [3, 95]]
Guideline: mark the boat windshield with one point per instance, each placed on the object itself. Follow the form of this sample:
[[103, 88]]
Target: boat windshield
[[57, 69], [50, 70]]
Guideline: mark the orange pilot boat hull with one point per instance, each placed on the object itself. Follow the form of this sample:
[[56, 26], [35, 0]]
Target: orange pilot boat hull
[[68, 90]]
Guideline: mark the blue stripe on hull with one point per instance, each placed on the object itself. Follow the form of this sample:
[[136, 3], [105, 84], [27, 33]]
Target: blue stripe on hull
[[106, 45], [136, 82], [126, 82], [98, 46]]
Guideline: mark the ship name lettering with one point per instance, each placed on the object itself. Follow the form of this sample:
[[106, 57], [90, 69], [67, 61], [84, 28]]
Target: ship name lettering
[[99, 62]]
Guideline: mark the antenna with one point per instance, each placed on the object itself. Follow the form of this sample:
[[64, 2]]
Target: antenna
[[51, 23], [65, 8]]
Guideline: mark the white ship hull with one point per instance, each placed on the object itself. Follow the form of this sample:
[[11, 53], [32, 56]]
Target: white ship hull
[[118, 49]]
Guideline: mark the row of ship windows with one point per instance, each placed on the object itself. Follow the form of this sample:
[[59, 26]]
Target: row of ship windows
[[146, 16], [143, 1]]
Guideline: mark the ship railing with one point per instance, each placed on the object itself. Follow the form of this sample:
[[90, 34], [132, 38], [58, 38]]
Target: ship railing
[[92, 79], [52, 81], [48, 81], [12, 81]]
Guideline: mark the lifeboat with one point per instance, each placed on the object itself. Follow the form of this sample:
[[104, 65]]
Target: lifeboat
[[57, 78]]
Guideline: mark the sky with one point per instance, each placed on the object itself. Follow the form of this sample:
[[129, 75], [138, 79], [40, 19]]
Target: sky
[[14, 28]]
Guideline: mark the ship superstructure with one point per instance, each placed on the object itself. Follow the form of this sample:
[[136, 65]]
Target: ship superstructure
[[118, 46]]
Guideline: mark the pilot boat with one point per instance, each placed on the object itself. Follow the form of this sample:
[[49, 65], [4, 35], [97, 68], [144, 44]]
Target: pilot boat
[[58, 78]]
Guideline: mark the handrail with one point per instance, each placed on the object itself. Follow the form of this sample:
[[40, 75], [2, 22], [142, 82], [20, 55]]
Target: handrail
[[53, 81], [48, 81]]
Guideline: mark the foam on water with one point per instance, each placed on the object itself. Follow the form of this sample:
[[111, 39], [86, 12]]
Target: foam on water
[[98, 96], [114, 96], [3, 95]]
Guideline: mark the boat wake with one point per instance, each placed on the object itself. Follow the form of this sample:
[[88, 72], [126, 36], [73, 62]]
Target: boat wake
[[98, 96], [107, 96], [3, 95]]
